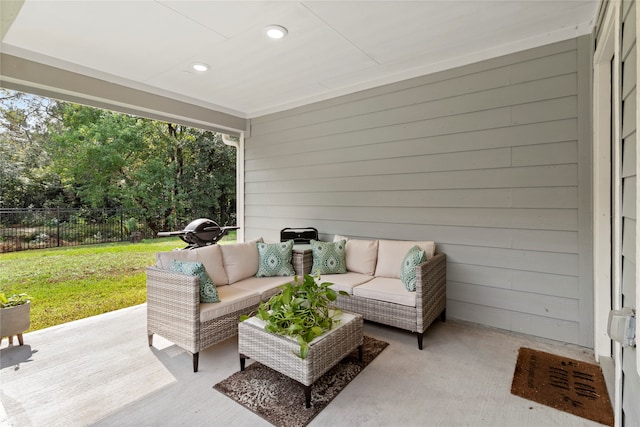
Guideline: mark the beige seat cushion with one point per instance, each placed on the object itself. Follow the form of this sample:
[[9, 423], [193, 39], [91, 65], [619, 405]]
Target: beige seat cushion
[[264, 286], [386, 289], [345, 282], [240, 260], [391, 253], [209, 256], [232, 299]]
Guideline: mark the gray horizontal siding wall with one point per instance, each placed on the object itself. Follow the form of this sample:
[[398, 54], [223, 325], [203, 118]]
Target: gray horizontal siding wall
[[490, 160]]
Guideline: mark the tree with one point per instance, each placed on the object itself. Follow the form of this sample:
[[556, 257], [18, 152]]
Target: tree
[[26, 177], [213, 168], [55, 153], [170, 172]]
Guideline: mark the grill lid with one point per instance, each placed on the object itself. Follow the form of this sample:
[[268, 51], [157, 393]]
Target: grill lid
[[200, 232]]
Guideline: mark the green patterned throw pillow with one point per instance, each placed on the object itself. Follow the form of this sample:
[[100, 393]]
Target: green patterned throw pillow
[[275, 259], [208, 291], [328, 257], [413, 258]]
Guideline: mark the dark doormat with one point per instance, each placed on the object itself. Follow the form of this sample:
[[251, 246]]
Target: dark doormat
[[280, 400], [562, 383]]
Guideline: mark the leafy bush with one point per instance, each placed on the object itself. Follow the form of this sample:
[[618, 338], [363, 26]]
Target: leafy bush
[[131, 225]]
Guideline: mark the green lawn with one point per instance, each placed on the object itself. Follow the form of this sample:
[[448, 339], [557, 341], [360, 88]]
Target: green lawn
[[72, 283]]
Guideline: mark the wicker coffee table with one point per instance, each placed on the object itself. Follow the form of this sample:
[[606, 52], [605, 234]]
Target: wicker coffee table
[[277, 352]]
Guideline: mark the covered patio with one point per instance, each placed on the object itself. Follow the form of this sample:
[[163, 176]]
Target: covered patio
[[505, 131], [100, 371]]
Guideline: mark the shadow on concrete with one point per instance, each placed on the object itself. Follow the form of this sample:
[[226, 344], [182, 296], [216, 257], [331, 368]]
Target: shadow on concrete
[[14, 355]]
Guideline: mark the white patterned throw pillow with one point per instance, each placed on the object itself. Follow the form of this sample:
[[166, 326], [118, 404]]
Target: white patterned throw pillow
[[328, 257], [275, 259], [208, 291], [412, 259]]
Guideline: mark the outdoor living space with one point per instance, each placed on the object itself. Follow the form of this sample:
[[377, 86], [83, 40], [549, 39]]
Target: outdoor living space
[[100, 371], [504, 131]]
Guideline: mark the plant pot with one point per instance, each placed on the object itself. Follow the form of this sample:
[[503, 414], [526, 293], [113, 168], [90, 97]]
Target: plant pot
[[15, 320]]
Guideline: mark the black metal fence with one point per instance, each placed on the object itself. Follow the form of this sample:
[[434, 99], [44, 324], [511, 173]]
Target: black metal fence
[[22, 229]]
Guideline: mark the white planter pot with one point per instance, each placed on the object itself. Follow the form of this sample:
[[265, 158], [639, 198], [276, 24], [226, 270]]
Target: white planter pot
[[15, 320]]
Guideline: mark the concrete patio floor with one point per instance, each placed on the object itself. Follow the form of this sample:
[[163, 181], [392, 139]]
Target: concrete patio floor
[[100, 371]]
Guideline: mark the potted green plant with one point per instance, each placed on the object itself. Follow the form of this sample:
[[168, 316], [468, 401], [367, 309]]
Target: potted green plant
[[15, 316], [301, 310]]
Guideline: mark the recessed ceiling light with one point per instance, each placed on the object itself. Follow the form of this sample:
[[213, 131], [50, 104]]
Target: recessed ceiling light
[[276, 31], [200, 66]]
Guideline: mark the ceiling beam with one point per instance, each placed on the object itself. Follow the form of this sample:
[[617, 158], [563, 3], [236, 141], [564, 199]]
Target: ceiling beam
[[33, 77]]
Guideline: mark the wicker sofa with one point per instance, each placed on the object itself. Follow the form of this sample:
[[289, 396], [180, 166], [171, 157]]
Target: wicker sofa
[[174, 310], [372, 280]]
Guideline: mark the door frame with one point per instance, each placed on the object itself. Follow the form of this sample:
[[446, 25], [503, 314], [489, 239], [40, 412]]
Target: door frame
[[607, 224]]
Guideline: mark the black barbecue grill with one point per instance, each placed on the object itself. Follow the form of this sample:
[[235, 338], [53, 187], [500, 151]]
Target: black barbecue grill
[[200, 232]]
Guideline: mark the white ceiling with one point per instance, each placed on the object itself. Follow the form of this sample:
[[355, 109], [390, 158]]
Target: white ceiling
[[333, 47]]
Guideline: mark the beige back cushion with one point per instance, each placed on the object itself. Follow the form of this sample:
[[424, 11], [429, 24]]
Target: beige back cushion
[[163, 259], [240, 260], [209, 256], [391, 253], [360, 255]]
